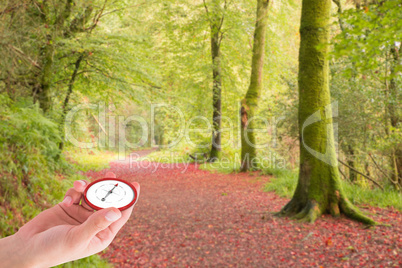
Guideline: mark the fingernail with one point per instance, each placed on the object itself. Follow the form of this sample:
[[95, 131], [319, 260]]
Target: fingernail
[[67, 200], [112, 216], [79, 184]]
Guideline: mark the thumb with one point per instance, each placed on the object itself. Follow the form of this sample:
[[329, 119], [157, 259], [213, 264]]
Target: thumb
[[99, 221]]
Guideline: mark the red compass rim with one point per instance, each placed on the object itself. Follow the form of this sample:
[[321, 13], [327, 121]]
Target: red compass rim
[[108, 179]]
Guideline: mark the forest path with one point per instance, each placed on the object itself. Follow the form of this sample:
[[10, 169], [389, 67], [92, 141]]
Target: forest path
[[186, 217]]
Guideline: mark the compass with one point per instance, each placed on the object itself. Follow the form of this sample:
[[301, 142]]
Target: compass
[[110, 192]]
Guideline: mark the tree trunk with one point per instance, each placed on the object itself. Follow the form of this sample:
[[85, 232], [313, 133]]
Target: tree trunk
[[393, 102], [42, 93], [351, 162], [217, 94], [67, 99], [216, 22], [318, 190], [250, 102]]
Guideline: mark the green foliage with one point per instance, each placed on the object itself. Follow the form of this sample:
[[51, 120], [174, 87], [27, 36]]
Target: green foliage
[[25, 131], [373, 197], [283, 183], [368, 35], [28, 163], [366, 83], [89, 159]]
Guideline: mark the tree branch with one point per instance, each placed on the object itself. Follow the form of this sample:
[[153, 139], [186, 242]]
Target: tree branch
[[97, 17], [339, 5], [223, 16], [19, 51], [119, 79], [383, 172], [364, 175], [343, 174], [79, 20], [206, 9]]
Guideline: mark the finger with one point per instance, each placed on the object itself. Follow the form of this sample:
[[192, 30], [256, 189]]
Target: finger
[[74, 195], [86, 206], [71, 197], [125, 215], [80, 185], [98, 222], [77, 213], [116, 226]]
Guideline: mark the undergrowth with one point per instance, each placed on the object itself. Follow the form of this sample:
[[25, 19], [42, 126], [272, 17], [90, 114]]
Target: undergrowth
[[89, 159], [284, 184], [34, 175]]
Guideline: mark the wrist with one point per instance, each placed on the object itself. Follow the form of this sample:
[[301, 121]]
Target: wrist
[[14, 252]]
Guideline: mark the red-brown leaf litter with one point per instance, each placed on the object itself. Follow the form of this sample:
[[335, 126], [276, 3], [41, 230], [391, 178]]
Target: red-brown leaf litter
[[201, 219]]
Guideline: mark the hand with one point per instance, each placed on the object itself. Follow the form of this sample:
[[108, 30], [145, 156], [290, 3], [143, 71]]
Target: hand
[[65, 232]]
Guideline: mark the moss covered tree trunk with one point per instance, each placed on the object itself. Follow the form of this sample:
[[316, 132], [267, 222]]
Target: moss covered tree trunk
[[216, 17], [394, 114], [217, 93], [318, 190], [351, 162], [42, 93], [250, 102]]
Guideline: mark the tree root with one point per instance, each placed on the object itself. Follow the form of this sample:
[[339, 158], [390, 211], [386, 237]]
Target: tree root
[[289, 210], [302, 214], [311, 211], [354, 213]]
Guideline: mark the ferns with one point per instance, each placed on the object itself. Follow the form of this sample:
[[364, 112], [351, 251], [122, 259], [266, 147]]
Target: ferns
[[28, 139], [28, 161]]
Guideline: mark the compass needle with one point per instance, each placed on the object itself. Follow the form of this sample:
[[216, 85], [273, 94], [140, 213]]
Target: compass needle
[[109, 192]]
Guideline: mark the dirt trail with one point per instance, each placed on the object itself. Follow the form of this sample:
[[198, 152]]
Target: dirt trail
[[198, 219]]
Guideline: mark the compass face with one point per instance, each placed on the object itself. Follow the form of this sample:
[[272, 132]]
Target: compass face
[[105, 193]]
